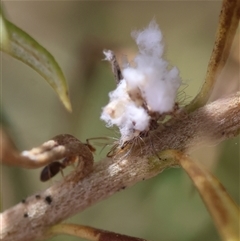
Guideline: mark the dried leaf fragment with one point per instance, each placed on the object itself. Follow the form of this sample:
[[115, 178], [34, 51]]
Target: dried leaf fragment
[[224, 211]]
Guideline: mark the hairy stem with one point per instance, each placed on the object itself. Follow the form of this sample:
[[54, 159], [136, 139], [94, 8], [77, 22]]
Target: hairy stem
[[32, 219]]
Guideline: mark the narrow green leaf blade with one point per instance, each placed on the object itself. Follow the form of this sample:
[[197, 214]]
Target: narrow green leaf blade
[[4, 33], [24, 48]]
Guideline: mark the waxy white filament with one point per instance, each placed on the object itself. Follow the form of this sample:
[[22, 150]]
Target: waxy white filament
[[149, 85]]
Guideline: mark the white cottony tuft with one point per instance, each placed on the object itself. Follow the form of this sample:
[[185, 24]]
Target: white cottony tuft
[[148, 86], [149, 39]]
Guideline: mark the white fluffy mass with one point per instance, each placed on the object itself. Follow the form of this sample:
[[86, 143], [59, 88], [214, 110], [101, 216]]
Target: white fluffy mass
[[149, 85]]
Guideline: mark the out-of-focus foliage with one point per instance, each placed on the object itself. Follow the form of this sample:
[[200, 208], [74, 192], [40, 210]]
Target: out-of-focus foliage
[[4, 32]]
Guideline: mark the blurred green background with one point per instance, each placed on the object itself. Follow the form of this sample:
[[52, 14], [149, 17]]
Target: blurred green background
[[166, 207]]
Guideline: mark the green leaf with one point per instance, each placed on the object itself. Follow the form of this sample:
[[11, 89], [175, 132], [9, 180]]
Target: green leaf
[[24, 48], [4, 33]]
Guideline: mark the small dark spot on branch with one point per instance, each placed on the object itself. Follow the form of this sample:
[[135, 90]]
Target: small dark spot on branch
[[48, 199], [37, 196], [223, 133], [23, 201], [25, 215]]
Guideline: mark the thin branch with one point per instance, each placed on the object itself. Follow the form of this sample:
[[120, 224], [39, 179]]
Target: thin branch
[[137, 161], [58, 147], [223, 209], [89, 233], [227, 27]]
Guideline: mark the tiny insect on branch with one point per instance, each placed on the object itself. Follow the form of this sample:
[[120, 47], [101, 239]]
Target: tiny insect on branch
[[55, 167], [59, 147], [142, 151], [146, 91], [219, 121]]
